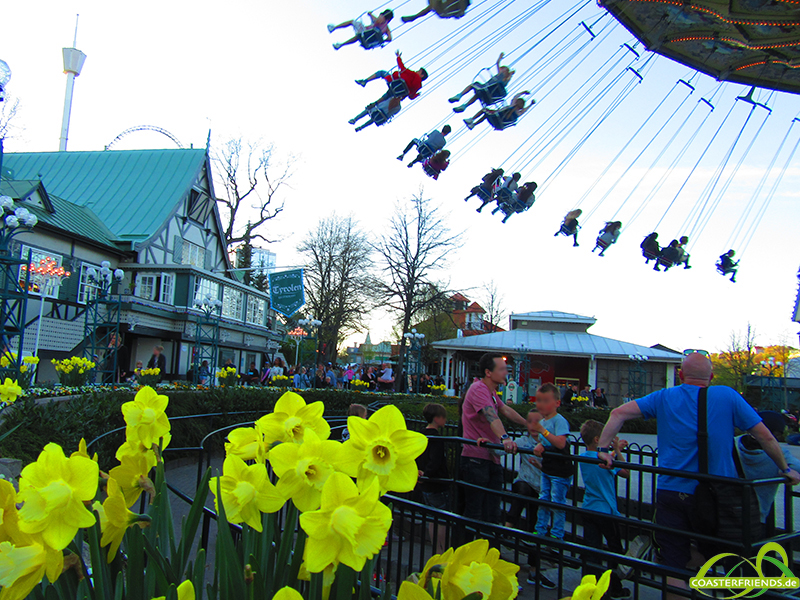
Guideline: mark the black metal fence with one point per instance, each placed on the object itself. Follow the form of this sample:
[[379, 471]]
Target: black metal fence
[[417, 528]]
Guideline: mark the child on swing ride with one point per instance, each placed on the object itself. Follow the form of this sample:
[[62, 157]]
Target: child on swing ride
[[500, 80], [502, 117], [379, 23], [412, 79]]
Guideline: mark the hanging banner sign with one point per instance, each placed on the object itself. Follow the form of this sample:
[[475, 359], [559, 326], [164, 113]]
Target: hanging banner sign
[[286, 291]]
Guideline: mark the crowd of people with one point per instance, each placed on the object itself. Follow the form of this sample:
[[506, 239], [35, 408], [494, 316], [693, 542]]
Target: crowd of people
[[546, 471]]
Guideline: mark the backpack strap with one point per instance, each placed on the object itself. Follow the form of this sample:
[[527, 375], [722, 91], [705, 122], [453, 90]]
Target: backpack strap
[[702, 430]]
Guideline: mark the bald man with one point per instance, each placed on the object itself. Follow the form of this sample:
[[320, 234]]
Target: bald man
[[676, 411]]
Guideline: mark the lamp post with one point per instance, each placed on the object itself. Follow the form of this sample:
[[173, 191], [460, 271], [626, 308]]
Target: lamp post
[[415, 346], [311, 325], [206, 330], [770, 366], [637, 375], [103, 317], [47, 276], [14, 220]]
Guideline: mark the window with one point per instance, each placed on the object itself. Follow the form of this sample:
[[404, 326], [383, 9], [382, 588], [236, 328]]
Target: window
[[167, 295], [37, 255], [205, 287], [146, 286], [87, 290], [232, 303], [193, 255], [255, 310]]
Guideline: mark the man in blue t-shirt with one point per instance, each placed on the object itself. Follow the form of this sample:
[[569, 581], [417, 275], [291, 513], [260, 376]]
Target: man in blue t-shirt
[[676, 411]]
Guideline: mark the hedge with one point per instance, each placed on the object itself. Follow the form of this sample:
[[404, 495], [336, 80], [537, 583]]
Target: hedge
[[90, 415]]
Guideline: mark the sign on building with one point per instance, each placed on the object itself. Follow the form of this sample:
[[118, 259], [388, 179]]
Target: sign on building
[[286, 291]]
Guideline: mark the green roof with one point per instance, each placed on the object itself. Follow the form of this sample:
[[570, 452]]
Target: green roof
[[60, 214], [132, 192]]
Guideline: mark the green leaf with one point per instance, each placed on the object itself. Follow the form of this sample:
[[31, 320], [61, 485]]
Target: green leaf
[[190, 525], [199, 570], [285, 546], [343, 584], [316, 586], [366, 580], [100, 574], [135, 572], [165, 575], [231, 570], [297, 557]]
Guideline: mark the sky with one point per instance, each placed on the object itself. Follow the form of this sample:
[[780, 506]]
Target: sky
[[266, 71]]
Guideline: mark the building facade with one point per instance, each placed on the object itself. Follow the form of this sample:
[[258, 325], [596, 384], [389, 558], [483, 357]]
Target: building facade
[[556, 347], [153, 214]]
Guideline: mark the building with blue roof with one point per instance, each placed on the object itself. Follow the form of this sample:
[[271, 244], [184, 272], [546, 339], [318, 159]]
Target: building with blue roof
[[153, 214], [556, 347]]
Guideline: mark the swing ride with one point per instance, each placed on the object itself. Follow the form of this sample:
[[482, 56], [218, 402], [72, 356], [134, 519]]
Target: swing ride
[[745, 42]]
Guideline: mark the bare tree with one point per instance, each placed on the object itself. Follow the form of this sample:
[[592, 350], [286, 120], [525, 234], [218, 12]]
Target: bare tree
[[8, 110], [417, 246], [340, 286], [493, 305], [252, 180]]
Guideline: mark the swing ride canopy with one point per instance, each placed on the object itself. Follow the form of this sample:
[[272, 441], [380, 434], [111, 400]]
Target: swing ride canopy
[[754, 42]]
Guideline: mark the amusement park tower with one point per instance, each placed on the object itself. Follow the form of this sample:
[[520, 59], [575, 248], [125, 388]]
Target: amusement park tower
[[73, 63]]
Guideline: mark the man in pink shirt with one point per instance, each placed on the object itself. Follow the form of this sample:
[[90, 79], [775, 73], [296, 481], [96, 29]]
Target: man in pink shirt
[[480, 418]]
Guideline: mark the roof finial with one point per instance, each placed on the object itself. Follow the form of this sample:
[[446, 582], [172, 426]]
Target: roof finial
[[75, 39]]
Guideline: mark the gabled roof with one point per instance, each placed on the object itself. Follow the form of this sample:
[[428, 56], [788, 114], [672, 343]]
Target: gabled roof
[[457, 297], [565, 343], [476, 308], [133, 192], [58, 213], [553, 316]]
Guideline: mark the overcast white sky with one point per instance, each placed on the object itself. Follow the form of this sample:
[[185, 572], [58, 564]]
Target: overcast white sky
[[266, 70]]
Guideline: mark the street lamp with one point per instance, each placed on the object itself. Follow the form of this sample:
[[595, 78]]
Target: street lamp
[[207, 304], [415, 346], [104, 277], [206, 330], [637, 375], [47, 277], [311, 325]]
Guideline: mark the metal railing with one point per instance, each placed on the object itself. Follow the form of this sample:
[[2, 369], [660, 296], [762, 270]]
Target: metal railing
[[416, 528]]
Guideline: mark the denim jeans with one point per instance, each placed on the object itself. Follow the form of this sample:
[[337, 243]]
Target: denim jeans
[[487, 474], [555, 490]]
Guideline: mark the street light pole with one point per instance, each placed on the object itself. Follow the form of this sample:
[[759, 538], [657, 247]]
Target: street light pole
[[415, 346], [47, 276], [311, 324]]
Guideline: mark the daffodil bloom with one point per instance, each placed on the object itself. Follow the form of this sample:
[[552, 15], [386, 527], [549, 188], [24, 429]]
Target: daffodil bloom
[[246, 492], [349, 526], [115, 518], [135, 448], [82, 451], [411, 591], [328, 575], [21, 569], [592, 589], [382, 448], [9, 525], [145, 417], [304, 468], [287, 593], [290, 420], [131, 477], [475, 567], [244, 442], [53, 490], [10, 391], [185, 591]]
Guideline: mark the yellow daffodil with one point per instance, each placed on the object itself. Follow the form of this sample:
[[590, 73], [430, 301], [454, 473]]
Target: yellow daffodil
[[185, 591], [145, 417], [475, 567], [31, 360], [115, 518], [135, 448], [244, 442], [131, 477], [287, 593], [82, 451], [21, 569], [9, 391], [54, 489], [411, 591], [304, 468], [290, 420], [382, 448], [592, 589], [9, 524], [246, 492], [349, 526]]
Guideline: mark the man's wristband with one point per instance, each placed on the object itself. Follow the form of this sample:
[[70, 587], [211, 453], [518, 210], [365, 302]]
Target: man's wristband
[[603, 449], [545, 433], [786, 471]]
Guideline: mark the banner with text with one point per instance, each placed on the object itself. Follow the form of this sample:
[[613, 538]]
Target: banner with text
[[286, 291]]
